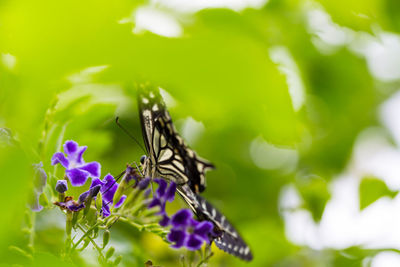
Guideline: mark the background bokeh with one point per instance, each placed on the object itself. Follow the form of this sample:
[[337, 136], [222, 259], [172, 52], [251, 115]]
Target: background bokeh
[[295, 102]]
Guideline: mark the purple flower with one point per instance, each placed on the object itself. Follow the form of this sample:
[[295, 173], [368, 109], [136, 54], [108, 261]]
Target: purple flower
[[144, 183], [108, 186], [187, 232], [163, 194], [76, 169], [70, 204]]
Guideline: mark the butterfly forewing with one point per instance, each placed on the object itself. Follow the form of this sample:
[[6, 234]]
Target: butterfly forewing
[[170, 157]]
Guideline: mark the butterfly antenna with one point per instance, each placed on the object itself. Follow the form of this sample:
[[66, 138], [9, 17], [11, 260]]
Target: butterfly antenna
[[129, 134]]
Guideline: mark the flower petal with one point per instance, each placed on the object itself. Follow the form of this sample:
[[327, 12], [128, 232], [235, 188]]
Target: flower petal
[[162, 186], [144, 183], [154, 202], [96, 182], [79, 154], [178, 237], [164, 221], [181, 218], [106, 209], [194, 242], [120, 201], [70, 147], [170, 193], [203, 229], [77, 177], [109, 188], [74, 152], [59, 158], [93, 168]]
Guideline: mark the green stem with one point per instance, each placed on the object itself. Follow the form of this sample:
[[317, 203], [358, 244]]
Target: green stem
[[31, 241], [86, 233], [99, 250]]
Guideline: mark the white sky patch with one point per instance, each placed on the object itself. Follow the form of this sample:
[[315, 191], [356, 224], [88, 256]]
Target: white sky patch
[[270, 157], [164, 17], [375, 155], [192, 130], [157, 21], [343, 224], [8, 60], [382, 53], [86, 75], [381, 50], [281, 56], [386, 259], [184, 6], [390, 114], [329, 34]]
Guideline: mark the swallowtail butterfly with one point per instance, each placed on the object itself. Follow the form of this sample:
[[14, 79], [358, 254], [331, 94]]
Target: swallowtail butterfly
[[171, 159]]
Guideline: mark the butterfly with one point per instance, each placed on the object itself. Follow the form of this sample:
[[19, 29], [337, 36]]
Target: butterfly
[[171, 159]]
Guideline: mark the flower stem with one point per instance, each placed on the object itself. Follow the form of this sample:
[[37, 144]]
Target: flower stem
[[86, 233], [99, 250]]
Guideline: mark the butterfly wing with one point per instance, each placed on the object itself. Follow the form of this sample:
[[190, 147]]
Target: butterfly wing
[[227, 237], [170, 157]]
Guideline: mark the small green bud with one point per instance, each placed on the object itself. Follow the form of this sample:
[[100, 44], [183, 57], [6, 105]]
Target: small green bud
[[117, 260], [110, 252], [99, 201], [106, 238]]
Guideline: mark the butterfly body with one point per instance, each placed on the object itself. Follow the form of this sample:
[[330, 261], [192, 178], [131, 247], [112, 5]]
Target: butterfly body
[[171, 159]]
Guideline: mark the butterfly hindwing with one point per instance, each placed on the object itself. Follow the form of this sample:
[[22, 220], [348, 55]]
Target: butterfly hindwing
[[227, 238]]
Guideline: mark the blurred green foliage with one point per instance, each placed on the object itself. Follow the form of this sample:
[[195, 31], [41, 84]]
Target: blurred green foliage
[[220, 73]]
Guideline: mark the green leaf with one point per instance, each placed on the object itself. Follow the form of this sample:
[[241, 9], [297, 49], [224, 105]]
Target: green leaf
[[314, 191], [371, 189]]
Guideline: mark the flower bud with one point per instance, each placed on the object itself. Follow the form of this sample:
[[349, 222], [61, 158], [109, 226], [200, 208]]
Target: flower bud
[[106, 238], [99, 201], [118, 193], [61, 186], [110, 252], [117, 260], [94, 190], [82, 198]]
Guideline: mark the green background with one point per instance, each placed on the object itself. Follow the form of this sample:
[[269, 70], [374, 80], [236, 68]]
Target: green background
[[221, 74]]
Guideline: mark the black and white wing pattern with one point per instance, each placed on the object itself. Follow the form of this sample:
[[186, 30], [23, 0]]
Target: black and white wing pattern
[[227, 238], [169, 156]]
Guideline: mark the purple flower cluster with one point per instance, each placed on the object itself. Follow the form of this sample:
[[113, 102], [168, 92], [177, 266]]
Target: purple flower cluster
[[185, 231], [78, 172]]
